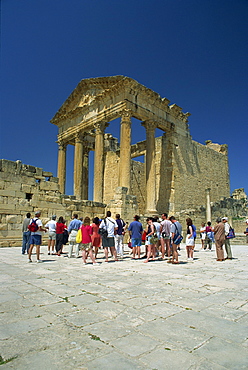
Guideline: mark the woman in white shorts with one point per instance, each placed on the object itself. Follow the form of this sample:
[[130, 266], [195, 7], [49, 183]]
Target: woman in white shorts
[[190, 240], [203, 234]]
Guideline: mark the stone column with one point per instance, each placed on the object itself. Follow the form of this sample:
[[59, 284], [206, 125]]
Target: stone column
[[98, 162], [85, 174], [78, 166], [125, 150], [208, 205], [61, 171], [150, 168]]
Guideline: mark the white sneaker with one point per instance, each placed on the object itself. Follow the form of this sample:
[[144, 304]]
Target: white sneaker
[[96, 264], [29, 261], [39, 261]]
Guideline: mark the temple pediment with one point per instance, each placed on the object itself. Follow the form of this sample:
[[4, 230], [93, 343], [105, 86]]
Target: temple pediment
[[85, 93]]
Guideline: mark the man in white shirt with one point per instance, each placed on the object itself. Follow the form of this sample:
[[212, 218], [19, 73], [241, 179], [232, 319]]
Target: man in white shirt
[[227, 241], [165, 227], [109, 224], [51, 226]]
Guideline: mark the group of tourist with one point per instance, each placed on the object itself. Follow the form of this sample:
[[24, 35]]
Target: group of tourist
[[161, 237]]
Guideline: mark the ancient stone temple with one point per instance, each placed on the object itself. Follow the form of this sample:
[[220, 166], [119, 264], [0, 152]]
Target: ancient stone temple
[[177, 170]]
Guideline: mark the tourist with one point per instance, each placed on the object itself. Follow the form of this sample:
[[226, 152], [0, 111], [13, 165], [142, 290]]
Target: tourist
[[73, 228], [60, 227], [227, 240], [203, 234], [156, 224], [176, 230], [51, 226], [95, 237], [135, 231], [246, 231], [110, 225], [35, 238], [119, 235], [190, 240], [219, 235], [209, 236], [165, 227], [86, 244], [151, 249], [25, 234]]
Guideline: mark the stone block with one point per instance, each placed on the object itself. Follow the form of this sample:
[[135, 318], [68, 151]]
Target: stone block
[[47, 174], [4, 208], [7, 193], [48, 185], [3, 227], [11, 219], [26, 188]]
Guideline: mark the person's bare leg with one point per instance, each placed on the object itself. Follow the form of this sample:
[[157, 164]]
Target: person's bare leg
[[134, 252], [149, 252], [91, 254], [30, 251], [84, 255], [38, 252], [138, 251], [106, 253], [113, 252]]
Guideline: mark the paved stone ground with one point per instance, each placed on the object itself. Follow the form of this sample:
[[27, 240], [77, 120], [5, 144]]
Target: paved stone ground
[[60, 314]]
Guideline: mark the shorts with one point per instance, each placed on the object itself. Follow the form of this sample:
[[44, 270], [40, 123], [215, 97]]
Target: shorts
[[136, 242], [72, 237], [35, 239], [190, 242], [108, 242], [52, 235], [85, 246], [165, 237]]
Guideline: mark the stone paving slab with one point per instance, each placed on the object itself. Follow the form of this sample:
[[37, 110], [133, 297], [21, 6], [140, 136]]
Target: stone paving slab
[[61, 314]]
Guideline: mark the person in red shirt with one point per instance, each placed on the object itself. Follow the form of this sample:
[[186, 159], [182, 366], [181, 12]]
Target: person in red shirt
[[86, 244], [60, 227]]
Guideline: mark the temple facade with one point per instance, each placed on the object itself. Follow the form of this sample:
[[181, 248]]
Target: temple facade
[[177, 171]]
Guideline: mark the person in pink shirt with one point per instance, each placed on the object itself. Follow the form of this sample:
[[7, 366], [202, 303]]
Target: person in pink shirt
[[86, 244]]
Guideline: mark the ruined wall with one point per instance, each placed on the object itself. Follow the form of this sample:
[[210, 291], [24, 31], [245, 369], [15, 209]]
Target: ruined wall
[[25, 188], [197, 167]]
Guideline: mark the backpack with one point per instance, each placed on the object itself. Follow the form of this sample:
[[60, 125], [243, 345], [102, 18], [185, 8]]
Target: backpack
[[33, 227], [194, 231]]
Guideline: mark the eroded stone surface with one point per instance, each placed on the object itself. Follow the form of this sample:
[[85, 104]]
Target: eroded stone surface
[[61, 314]]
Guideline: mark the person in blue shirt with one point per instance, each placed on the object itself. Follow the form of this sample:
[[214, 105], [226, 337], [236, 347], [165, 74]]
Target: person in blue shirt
[[73, 228], [135, 231]]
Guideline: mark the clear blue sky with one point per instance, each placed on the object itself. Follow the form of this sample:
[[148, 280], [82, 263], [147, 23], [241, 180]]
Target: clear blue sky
[[193, 52]]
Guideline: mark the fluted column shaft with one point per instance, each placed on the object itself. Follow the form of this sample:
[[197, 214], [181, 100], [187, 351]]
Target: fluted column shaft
[[85, 174], [98, 162], [78, 166], [125, 150], [208, 205], [61, 170], [150, 168]]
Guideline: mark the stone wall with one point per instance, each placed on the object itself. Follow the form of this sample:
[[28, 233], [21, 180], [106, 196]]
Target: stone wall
[[25, 188]]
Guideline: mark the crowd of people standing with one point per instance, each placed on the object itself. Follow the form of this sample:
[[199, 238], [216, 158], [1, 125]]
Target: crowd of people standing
[[161, 237]]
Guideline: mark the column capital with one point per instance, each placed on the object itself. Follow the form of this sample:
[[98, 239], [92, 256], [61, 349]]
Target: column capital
[[149, 125], [126, 115], [100, 127], [61, 143], [79, 137]]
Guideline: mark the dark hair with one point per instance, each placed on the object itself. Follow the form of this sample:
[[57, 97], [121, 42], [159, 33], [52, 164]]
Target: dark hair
[[118, 216], [165, 214], [208, 223], [61, 220], [86, 220], [75, 215], [137, 217], [96, 220], [189, 221], [28, 215], [155, 218], [108, 214], [172, 218]]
